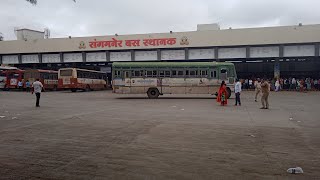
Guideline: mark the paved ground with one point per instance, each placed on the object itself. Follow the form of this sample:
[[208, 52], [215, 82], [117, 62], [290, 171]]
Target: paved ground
[[100, 135]]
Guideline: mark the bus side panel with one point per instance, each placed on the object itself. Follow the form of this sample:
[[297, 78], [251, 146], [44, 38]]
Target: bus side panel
[[137, 90], [123, 90]]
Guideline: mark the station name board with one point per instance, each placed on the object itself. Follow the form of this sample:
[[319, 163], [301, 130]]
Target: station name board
[[134, 43]]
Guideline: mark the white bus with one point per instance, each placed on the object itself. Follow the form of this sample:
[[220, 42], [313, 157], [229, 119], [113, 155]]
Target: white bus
[[158, 78]]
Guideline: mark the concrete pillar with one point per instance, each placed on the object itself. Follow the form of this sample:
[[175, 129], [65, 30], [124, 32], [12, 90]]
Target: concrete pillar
[[216, 54], [281, 53], [248, 52], [19, 59], [40, 57], [108, 56], [159, 54], [276, 68], [133, 56], [317, 49], [61, 58], [186, 53], [84, 57]]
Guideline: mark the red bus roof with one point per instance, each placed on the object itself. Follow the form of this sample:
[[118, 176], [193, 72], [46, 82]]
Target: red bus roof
[[42, 70], [15, 70]]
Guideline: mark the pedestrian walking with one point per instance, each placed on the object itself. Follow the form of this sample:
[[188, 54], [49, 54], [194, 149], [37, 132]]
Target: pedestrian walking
[[37, 87], [257, 86], [265, 88], [223, 94], [237, 90]]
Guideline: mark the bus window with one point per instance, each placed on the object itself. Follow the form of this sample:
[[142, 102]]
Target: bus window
[[223, 74], [148, 73], [167, 73], [117, 73], [136, 74], [174, 73], [180, 73], [154, 73], [67, 72], [193, 73], [187, 72], [161, 73], [142, 73], [127, 74], [204, 73], [213, 74]]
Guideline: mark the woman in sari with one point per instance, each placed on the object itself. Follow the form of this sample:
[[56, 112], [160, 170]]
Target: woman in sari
[[222, 94]]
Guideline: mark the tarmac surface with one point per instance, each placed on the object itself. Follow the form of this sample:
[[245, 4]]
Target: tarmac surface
[[100, 135]]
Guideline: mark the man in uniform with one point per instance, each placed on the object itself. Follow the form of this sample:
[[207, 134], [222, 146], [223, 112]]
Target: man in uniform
[[265, 88]]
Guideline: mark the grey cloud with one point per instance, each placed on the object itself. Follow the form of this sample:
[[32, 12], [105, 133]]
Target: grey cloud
[[97, 17]]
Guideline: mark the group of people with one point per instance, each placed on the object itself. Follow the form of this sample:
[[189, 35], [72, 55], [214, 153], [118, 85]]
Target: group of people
[[261, 86], [27, 85], [303, 84], [288, 84], [36, 87]]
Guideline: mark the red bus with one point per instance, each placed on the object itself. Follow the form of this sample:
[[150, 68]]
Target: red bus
[[81, 79], [12, 78], [48, 78], [3, 79]]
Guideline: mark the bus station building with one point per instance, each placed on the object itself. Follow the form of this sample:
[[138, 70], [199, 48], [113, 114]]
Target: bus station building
[[286, 51]]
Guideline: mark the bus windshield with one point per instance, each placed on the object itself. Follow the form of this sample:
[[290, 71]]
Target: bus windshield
[[66, 72]]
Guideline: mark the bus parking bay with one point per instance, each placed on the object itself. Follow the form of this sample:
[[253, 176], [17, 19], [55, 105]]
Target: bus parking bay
[[98, 134]]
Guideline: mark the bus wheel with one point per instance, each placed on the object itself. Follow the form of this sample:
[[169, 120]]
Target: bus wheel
[[229, 92], [55, 88], [153, 93], [87, 88], [73, 90], [6, 88]]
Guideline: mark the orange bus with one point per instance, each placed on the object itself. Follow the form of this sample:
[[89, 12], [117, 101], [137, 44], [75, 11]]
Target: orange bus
[[12, 78], [81, 79], [48, 78]]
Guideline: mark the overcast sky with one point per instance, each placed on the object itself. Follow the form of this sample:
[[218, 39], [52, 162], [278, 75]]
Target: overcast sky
[[106, 17]]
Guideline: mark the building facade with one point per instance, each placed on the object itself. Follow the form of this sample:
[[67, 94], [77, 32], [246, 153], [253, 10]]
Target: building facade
[[269, 51]]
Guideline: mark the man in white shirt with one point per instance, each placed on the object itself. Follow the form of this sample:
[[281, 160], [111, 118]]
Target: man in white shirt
[[237, 91], [293, 84], [20, 84], [257, 85], [37, 88], [250, 83]]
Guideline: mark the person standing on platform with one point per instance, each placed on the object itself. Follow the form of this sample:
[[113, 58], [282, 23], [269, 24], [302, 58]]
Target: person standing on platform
[[237, 91], [277, 85], [20, 84], [257, 86], [315, 82], [265, 88], [293, 84], [27, 86], [250, 83], [37, 88]]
